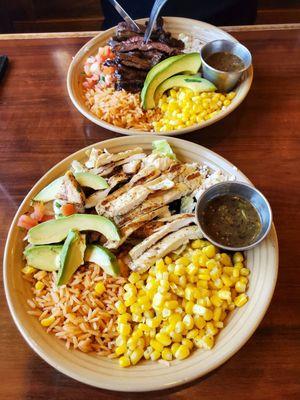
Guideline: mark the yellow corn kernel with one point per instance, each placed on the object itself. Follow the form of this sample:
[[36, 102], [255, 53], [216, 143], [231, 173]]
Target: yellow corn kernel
[[182, 281], [238, 265], [188, 321], [241, 300], [188, 343], [124, 361], [192, 334], [224, 294], [130, 288], [199, 309], [189, 293], [123, 318], [217, 314], [211, 264], [208, 315], [164, 339], [199, 322], [244, 271], [143, 327], [166, 354], [244, 279], [195, 257], [235, 272], [179, 327], [129, 299], [48, 321], [155, 355], [216, 300], [148, 352], [134, 277], [121, 349], [226, 280], [120, 307], [211, 329], [168, 260], [29, 270], [188, 307], [226, 260], [174, 318], [240, 287], [174, 348], [124, 329], [182, 352], [231, 95], [238, 257], [39, 285], [120, 340], [184, 261], [202, 284], [210, 251], [202, 260], [179, 270], [219, 324], [171, 304], [208, 342], [156, 345], [191, 269], [218, 283], [153, 322], [197, 244], [204, 277], [226, 102], [132, 343], [136, 355], [158, 299]]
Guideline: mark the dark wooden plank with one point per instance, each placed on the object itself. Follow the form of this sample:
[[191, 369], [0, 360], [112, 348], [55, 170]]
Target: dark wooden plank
[[39, 126]]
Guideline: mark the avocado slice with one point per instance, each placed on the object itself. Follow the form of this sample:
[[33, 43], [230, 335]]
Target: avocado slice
[[45, 257], [193, 82], [93, 181], [71, 256], [103, 257], [189, 63], [56, 230], [49, 192]]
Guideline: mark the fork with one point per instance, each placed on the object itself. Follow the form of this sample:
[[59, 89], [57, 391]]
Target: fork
[[157, 6]]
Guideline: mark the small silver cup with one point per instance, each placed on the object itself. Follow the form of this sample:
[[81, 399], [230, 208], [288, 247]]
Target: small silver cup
[[224, 81]]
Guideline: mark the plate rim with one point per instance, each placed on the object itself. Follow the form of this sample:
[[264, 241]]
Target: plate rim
[[130, 132], [72, 374]]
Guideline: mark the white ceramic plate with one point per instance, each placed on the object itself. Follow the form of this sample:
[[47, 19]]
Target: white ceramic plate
[[147, 376], [200, 30]]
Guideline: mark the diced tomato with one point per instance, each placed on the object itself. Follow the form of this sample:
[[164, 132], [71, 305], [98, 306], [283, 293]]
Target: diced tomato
[[27, 222], [47, 218], [104, 53], [108, 70], [39, 211], [67, 209]]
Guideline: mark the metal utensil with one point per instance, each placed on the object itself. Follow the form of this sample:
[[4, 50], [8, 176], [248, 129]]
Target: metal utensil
[[224, 81], [247, 192], [124, 15], [153, 17]]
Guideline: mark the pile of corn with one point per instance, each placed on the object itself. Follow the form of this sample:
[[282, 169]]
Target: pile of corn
[[182, 108], [179, 304]]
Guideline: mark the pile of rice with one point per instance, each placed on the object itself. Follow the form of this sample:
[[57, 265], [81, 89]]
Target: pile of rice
[[83, 319], [121, 108]]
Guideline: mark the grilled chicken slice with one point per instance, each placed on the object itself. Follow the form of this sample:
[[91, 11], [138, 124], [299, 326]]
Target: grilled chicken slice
[[161, 198], [132, 226], [164, 247], [107, 158], [93, 156], [132, 167], [176, 222], [148, 229], [70, 190]]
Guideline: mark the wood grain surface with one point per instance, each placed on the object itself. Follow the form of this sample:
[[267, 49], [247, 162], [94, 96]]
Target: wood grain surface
[[39, 126]]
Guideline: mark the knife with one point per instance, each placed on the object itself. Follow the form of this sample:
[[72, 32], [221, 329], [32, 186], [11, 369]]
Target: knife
[[124, 14]]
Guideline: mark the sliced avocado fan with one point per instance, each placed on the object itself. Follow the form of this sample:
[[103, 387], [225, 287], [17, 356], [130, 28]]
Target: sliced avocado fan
[[56, 230]]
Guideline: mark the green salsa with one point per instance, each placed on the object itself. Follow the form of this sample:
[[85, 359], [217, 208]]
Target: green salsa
[[231, 221]]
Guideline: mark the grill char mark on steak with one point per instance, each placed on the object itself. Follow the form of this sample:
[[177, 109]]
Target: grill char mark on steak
[[134, 58]]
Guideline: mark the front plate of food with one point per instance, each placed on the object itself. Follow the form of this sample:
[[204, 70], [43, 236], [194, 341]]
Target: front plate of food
[[186, 307], [160, 94]]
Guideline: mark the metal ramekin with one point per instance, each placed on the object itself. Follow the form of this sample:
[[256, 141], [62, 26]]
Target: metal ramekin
[[247, 192], [224, 81]]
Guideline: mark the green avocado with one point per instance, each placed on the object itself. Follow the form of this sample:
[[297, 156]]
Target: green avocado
[[193, 82], [45, 257], [49, 192], [71, 256], [103, 257], [189, 63], [93, 181], [56, 230]]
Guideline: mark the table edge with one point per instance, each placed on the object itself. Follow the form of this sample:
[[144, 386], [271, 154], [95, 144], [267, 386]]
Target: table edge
[[56, 35]]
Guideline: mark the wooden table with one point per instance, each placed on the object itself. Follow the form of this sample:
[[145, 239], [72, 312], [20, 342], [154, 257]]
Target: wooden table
[[39, 126]]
